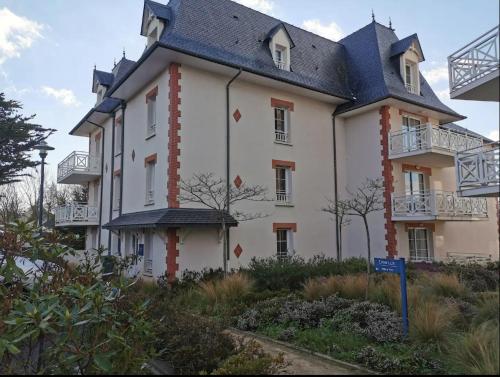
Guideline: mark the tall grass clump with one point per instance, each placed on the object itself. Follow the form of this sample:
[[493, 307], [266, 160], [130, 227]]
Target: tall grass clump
[[387, 291], [230, 289], [431, 321], [477, 351], [446, 285], [487, 308], [349, 286]]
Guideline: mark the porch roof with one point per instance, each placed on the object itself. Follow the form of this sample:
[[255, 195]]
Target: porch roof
[[171, 218]]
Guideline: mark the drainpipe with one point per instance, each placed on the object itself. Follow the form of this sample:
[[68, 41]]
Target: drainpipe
[[122, 159], [102, 180], [228, 163], [336, 192], [112, 179]]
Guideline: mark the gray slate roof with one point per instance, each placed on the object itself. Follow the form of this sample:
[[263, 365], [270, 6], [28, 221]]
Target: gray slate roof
[[401, 46], [170, 217], [159, 10]]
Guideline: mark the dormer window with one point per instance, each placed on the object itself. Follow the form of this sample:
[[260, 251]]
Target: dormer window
[[411, 77], [280, 44], [280, 57], [410, 54]]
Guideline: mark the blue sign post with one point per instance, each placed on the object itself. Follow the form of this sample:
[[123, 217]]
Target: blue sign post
[[397, 266]]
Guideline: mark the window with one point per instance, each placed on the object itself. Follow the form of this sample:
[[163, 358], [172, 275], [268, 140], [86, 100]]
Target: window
[[414, 136], [284, 243], [116, 191], [281, 126], [132, 247], [420, 244], [280, 57], [150, 182], [148, 253], [118, 136], [151, 125], [411, 75], [416, 190], [283, 185]]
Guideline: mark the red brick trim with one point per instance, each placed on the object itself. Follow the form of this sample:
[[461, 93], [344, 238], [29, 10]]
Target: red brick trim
[[424, 118], [98, 136], [420, 169], [152, 93], [174, 138], [172, 254], [282, 103], [287, 226], [284, 164], [429, 226], [390, 228], [149, 159], [117, 172]]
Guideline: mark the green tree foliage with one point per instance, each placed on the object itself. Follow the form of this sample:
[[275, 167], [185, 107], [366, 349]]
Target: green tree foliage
[[17, 138]]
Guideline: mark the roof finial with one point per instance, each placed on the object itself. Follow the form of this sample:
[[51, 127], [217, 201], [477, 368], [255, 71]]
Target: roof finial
[[95, 66], [123, 52], [373, 16], [114, 62], [390, 23]]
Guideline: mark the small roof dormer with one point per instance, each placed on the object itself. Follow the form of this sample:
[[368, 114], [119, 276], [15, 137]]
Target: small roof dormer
[[155, 18], [280, 44], [404, 45], [101, 78]]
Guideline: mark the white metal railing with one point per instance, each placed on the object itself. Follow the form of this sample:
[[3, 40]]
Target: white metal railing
[[438, 203], [467, 258], [151, 130], [281, 136], [76, 213], [479, 167], [416, 259], [413, 89], [150, 197], [426, 136], [78, 162], [283, 197], [474, 61], [280, 64], [148, 266]]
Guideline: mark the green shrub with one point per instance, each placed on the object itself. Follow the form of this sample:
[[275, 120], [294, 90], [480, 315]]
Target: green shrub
[[477, 351], [251, 361], [192, 344], [273, 274]]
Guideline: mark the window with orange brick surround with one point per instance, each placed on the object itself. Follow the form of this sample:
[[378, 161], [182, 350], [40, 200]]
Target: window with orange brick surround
[[284, 164], [285, 226], [152, 93], [420, 169], [424, 118], [428, 226], [149, 159], [275, 102]]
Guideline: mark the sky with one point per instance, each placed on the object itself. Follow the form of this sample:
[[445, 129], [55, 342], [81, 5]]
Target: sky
[[48, 49]]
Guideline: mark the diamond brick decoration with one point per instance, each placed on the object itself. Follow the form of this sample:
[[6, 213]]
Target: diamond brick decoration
[[238, 182], [237, 115], [238, 251]]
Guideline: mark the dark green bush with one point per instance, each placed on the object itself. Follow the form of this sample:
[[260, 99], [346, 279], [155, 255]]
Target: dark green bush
[[192, 344], [274, 274]]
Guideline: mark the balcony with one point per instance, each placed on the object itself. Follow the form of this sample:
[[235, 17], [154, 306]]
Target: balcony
[[78, 168], [478, 171], [438, 205], [431, 146], [77, 214], [474, 69]]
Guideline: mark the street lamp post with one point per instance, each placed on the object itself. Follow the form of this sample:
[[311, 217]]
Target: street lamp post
[[44, 148]]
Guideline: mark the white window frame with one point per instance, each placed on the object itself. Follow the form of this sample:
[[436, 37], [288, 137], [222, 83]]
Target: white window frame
[[118, 137], [282, 50], [289, 250], [284, 197], [152, 117], [413, 86], [150, 182], [116, 192], [282, 137], [414, 254], [148, 252]]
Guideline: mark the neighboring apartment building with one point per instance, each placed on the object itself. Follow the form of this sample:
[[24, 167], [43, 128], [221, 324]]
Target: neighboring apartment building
[[307, 118]]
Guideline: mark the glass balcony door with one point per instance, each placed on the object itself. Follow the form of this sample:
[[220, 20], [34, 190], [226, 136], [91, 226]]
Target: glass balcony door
[[412, 134]]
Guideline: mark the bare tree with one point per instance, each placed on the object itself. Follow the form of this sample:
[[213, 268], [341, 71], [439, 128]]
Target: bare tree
[[368, 198], [211, 192], [342, 216], [11, 204]]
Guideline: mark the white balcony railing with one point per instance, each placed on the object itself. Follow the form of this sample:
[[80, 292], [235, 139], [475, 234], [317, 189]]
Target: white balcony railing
[[438, 203], [281, 136], [280, 64], [479, 167], [76, 213], [426, 137], [474, 61], [413, 89], [150, 197], [469, 258], [283, 197], [78, 162]]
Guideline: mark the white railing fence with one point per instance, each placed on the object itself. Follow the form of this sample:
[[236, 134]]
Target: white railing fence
[[438, 203], [281, 136], [280, 64], [413, 89], [426, 137], [469, 258], [479, 167], [476, 60], [150, 197], [78, 162], [76, 213], [283, 197]]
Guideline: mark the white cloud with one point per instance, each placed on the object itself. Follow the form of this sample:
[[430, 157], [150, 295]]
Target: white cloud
[[494, 135], [264, 6], [331, 31], [65, 96], [16, 33], [436, 75], [443, 95]]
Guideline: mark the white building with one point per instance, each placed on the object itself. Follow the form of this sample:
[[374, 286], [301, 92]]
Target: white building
[[307, 118]]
